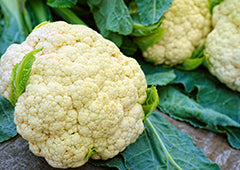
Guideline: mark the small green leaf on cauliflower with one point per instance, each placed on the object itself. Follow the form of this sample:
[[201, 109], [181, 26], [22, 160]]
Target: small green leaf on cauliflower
[[151, 102], [20, 75], [187, 24], [83, 97], [90, 153], [41, 24], [213, 3], [223, 44]]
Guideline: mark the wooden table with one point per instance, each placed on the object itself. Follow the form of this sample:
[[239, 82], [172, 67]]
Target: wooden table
[[15, 155]]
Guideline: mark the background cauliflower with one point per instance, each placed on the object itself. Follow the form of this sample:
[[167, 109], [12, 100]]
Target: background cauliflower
[[187, 23], [223, 44], [83, 95]]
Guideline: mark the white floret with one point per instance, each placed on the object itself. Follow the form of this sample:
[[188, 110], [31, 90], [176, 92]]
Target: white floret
[[8, 61], [223, 44], [83, 93], [187, 23]]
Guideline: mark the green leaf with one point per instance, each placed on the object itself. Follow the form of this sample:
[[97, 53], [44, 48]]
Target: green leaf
[[160, 78], [151, 102], [182, 107], [69, 16], [200, 99], [92, 152], [147, 19], [13, 28], [191, 64], [195, 61], [150, 11], [206, 62], [20, 75], [144, 42], [36, 12], [128, 47], [161, 146], [141, 30], [7, 126], [41, 24], [112, 16], [117, 162], [213, 3], [61, 3], [112, 19]]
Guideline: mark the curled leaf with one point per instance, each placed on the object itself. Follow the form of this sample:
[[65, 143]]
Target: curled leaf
[[151, 102], [20, 75]]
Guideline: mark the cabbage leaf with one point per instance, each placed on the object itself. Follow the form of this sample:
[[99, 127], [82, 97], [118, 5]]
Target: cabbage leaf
[[7, 126], [198, 98], [12, 25]]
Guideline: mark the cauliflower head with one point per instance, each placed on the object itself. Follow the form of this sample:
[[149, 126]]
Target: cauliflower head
[[223, 44], [83, 95], [188, 23]]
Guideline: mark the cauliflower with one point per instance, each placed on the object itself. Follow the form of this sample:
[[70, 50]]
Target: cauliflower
[[83, 98], [223, 44], [188, 23]]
